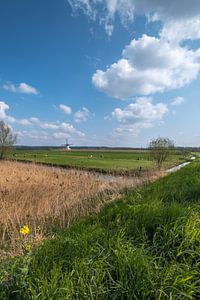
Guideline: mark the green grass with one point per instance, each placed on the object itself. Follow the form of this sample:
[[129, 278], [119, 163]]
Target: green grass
[[104, 161], [144, 246]]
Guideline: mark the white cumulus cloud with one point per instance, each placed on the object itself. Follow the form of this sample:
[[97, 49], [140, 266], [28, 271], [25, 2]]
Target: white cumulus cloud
[[66, 109], [148, 65], [82, 115], [22, 88], [140, 114], [3, 114]]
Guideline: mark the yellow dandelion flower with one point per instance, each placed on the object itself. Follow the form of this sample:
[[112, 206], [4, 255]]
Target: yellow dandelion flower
[[25, 230]]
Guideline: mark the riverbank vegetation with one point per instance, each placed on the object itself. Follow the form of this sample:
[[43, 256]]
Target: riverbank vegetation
[[144, 246], [49, 199]]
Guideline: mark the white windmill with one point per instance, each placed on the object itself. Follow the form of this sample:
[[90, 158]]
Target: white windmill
[[67, 145]]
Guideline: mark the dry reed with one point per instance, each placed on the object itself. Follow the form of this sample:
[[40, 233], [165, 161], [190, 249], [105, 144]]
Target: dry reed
[[48, 198]]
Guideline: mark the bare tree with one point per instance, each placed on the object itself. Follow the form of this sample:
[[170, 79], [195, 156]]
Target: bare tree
[[7, 138], [185, 152], [160, 149]]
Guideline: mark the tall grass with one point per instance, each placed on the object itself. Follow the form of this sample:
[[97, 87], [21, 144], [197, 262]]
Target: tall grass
[[144, 246], [48, 199]]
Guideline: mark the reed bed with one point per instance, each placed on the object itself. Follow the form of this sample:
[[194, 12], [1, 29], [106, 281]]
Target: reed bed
[[47, 199]]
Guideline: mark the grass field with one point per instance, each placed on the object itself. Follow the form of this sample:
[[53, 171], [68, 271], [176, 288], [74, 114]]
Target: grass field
[[144, 246], [103, 161]]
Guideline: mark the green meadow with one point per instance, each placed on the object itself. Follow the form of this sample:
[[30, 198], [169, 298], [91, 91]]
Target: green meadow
[[103, 161], [144, 246]]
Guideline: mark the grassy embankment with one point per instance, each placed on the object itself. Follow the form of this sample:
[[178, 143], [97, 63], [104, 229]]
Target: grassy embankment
[[144, 246], [102, 161]]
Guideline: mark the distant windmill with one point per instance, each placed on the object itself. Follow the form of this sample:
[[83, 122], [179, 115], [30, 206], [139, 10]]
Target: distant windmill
[[67, 145]]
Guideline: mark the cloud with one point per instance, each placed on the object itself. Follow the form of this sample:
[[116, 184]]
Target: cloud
[[140, 114], [60, 135], [86, 6], [177, 31], [165, 11], [34, 120], [27, 89], [22, 88], [3, 115], [66, 128], [47, 125], [10, 87], [82, 115], [3, 108], [176, 12], [24, 122], [177, 101], [180, 19], [66, 109], [148, 65], [32, 134], [39, 129], [105, 11]]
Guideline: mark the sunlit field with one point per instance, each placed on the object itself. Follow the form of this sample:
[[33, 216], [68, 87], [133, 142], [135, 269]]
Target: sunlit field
[[102, 161]]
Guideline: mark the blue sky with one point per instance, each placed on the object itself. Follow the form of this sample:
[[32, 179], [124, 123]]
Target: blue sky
[[113, 73]]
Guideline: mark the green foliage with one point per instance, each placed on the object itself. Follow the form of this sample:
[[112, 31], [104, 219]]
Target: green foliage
[[144, 246]]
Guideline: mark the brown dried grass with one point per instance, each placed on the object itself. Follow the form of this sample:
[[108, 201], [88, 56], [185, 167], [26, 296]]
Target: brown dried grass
[[50, 198]]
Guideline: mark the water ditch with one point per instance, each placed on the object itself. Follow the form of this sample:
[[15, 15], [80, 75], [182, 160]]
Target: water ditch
[[176, 168]]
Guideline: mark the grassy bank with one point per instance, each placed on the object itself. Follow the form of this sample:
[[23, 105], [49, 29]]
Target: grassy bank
[[118, 162], [144, 246]]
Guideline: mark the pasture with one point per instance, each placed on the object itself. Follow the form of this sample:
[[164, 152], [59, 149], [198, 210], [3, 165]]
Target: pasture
[[101, 161]]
